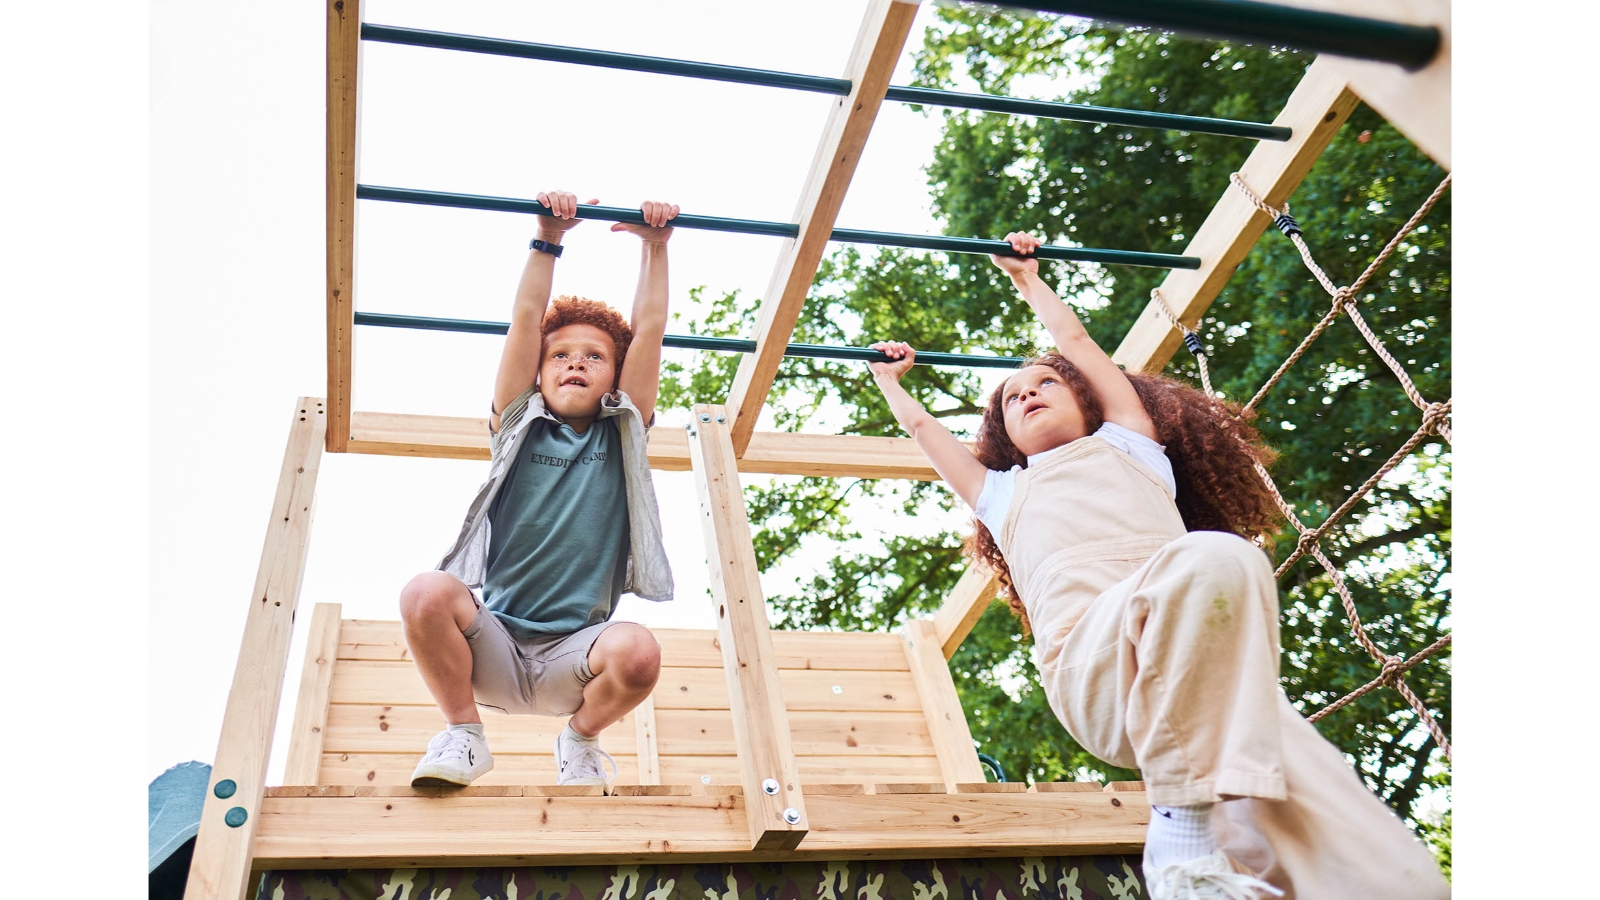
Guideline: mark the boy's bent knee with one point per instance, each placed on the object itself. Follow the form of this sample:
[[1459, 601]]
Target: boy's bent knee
[[631, 655], [433, 594]]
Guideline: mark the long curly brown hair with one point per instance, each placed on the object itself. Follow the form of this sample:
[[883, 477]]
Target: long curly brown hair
[[1213, 450]]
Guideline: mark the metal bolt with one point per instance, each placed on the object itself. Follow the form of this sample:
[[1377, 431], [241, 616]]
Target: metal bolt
[[692, 432], [770, 786], [225, 789], [792, 816], [235, 817], [705, 417], [837, 689], [705, 779], [687, 426], [721, 418]]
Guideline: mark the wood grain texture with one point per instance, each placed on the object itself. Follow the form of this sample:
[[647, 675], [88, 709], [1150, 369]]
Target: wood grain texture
[[754, 696], [879, 42], [965, 605], [646, 744], [311, 706], [221, 863], [343, 140], [342, 832], [941, 707], [1315, 111]]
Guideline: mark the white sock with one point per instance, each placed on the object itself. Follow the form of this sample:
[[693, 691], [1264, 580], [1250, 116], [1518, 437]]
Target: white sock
[[1178, 834], [570, 734], [475, 728]]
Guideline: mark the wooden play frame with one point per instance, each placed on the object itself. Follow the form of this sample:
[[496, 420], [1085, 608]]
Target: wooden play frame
[[246, 827]]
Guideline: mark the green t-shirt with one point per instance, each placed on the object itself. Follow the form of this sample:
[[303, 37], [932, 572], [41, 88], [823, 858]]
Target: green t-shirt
[[558, 531]]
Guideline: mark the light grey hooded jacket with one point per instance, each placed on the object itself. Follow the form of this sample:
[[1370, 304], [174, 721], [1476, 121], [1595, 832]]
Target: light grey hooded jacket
[[649, 576]]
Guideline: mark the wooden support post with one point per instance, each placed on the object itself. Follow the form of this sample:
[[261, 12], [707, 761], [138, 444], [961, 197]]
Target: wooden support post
[[311, 707], [221, 863], [344, 82], [947, 724], [872, 61], [649, 749], [1415, 103], [965, 605], [777, 819], [1316, 110]]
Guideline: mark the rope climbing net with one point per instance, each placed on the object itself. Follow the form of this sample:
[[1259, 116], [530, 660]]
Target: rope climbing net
[[1435, 421]]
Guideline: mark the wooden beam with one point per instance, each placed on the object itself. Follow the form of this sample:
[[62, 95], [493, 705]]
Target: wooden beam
[[878, 45], [311, 707], [1315, 111], [343, 130], [941, 707], [776, 818], [645, 740], [222, 853], [1415, 103], [770, 452], [965, 605], [450, 830]]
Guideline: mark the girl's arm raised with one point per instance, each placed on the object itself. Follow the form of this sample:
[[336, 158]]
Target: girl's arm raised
[[1116, 394], [950, 458]]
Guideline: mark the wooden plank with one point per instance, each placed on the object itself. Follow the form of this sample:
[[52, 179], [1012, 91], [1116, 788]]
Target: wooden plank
[[1067, 787], [1315, 111], [343, 141], [651, 790], [311, 707], [682, 647], [706, 732], [993, 787], [540, 768], [221, 862], [879, 41], [647, 750], [836, 790], [769, 452], [941, 707], [396, 768], [374, 728], [1415, 103], [910, 787], [371, 832], [383, 683], [965, 605], [725, 769], [760, 723], [1125, 786]]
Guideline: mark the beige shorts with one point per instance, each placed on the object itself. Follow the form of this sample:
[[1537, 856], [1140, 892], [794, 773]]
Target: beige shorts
[[544, 676]]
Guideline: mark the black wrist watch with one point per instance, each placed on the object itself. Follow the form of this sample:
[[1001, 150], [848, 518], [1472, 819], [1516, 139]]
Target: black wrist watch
[[545, 247]]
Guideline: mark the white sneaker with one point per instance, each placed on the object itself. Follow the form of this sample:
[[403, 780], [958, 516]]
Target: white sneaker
[[582, 762], [453, 758], [1210, 877]]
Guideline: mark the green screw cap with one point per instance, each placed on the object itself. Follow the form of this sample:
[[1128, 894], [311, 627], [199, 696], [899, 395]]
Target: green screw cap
[[225, 789], [235, 817]]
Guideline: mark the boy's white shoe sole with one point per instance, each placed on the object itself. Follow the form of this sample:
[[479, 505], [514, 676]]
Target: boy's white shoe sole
[[454, 759], [1210, 877], [583, 764]]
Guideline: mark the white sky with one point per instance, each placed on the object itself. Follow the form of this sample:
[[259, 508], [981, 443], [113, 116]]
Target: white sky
[[161, 267]]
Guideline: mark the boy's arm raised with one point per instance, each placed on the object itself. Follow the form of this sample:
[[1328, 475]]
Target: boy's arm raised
[[641, 369], [950, 458], [1117, 395], [519, 360]]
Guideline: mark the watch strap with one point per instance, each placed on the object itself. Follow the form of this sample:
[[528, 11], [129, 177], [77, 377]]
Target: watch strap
[[545, 247]]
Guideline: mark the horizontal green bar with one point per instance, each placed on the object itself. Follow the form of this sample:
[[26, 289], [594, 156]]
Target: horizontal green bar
[[1077, 112], [782, 229], [702, 342], [1358, 37], [660, 65]]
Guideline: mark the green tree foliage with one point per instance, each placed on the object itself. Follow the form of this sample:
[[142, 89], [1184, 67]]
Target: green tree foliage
[[1335, 418]]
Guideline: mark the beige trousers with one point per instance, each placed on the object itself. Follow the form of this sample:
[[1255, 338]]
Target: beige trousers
[[1174, 671]]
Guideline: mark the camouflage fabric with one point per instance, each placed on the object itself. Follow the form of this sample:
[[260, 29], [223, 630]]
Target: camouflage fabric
[[1032, 878]]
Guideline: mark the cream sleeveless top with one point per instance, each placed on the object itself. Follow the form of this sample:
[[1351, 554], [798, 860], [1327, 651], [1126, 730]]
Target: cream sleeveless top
[[1080, 521]]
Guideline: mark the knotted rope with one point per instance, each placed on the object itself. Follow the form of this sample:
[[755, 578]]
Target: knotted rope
[[1434, 421]]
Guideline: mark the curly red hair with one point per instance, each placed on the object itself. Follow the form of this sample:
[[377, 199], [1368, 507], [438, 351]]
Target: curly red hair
[[567, 310], [1213, 449]]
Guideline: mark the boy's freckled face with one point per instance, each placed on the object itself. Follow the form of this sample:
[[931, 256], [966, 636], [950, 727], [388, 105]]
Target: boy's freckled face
[[1041, 412], [577, 370]]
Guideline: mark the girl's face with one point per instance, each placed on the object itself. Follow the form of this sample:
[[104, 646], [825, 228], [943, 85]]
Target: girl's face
[[1041, 411]]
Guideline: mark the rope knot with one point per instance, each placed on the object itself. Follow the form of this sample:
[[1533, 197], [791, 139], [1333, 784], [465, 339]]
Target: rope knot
[[1391, 669], [1342, 299], [1307, 542], [1434, 415]]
